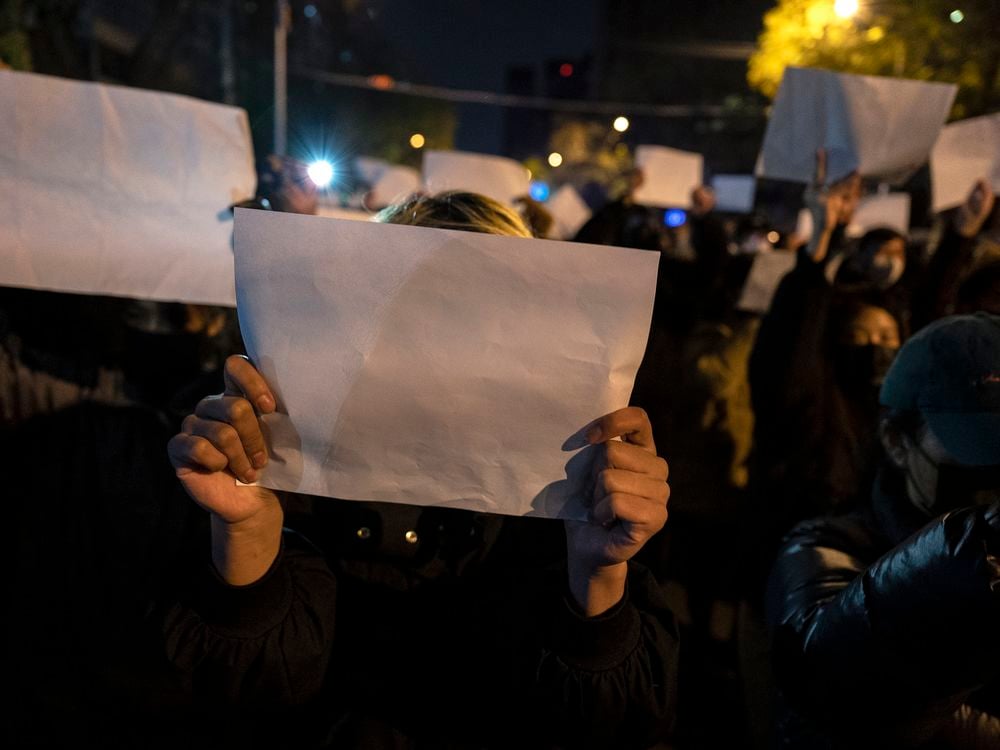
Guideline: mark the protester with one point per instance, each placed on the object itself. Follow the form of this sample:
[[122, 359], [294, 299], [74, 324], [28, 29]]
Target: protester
[[885, 632], [818, 361], [373, 624]]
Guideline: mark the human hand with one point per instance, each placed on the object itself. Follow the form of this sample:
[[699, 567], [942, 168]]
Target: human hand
[[702, 200], [222, 441], [971, 215], [829, 205], [629, 506]]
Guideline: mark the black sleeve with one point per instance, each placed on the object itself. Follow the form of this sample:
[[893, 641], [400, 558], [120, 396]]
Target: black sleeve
[[937, 287], [788, 366], [898, 644], [265, 644], [611, 681]]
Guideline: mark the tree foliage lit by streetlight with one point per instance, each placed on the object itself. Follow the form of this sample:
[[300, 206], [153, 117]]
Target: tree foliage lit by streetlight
[[899, 38], [845, 8]]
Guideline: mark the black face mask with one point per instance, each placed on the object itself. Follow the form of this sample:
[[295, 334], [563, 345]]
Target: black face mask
[[861, 369], [959, 487]]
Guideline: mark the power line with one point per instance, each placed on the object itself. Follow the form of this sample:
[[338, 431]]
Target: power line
[[388, 84]]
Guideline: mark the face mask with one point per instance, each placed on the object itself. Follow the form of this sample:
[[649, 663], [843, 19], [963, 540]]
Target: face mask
[[957, 487], [886, 270], [861, 369]]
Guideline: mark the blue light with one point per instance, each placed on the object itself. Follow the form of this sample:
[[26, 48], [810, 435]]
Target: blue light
[[539, 191], [674, 217], [309, 11]]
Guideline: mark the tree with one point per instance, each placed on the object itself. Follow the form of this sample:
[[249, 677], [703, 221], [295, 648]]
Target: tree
[[936, 40]]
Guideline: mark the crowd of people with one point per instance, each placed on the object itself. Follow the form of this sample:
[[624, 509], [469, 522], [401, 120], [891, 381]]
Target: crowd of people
[[827, 577]]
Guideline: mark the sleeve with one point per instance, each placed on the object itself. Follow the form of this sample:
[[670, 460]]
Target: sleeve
[[785, 368], [898, 644], [610, 681], [937, 288], [268, 643]]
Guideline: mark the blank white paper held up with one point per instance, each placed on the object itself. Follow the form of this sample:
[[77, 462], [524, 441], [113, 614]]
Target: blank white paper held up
[[437, 367], [112, 190]]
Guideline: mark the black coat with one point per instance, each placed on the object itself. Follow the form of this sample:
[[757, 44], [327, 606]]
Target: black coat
[[886, 639]]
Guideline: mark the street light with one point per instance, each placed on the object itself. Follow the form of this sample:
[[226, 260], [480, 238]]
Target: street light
[[320, 172], [956, 16], [620, 124], [845, 8], [555, 159], [417, 140]]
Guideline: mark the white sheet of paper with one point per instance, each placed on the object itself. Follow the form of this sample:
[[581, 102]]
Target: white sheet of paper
[[396, 183], [497, 177], [569, 212], [119, 191], [436, 367], [765, 275], [883, 127], [890, 210], [734, 192], [965, 152], [668, 176]]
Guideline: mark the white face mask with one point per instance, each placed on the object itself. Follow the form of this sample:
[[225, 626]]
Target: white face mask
[[886, 270]]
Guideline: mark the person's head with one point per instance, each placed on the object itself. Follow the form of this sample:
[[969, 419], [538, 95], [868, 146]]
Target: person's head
[[879, 261], [865, 342], [980, 292], [941, 426], [454, 209]]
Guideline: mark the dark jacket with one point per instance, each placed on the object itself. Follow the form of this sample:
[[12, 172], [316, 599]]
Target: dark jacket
[[465, 638], [887, 640]]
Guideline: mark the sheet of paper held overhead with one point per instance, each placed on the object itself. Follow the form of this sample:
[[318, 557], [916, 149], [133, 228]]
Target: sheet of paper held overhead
[[437, 367]]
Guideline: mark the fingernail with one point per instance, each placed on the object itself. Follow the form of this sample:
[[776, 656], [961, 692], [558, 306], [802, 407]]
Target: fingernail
[[594, 434], [259, 459], [265, 404], [250, 477]]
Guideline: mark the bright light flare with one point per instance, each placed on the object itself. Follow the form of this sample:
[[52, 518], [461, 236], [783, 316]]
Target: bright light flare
[[956, 16], [675, 217], [620, 124], [539, 191], [845, 8], [417, 140], [320, 172], [555, 159]]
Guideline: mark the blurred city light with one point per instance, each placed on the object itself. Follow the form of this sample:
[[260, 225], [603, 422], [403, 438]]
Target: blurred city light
[[320, 172], [674, 217], [956, 16], [309, 11], [620, 124], [773, 237], [555, 159], [417, 140], [566, 70], [381, 81], [845, 8], [539, 191]]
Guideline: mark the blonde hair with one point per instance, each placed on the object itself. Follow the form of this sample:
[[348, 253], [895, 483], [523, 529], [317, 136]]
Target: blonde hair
[[455, 209]]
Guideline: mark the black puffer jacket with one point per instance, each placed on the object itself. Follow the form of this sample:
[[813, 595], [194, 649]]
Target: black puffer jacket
[[885, 639]]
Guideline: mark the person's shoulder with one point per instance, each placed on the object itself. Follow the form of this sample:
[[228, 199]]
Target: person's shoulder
[[853, 533]]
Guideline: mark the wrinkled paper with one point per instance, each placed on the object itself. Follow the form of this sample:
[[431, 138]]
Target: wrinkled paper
[[118, 191], [882, 127], [436, 367], [965, 152]]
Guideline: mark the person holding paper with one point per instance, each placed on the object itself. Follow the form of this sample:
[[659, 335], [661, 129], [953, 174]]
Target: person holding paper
[[466, 630], [819, 358]]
